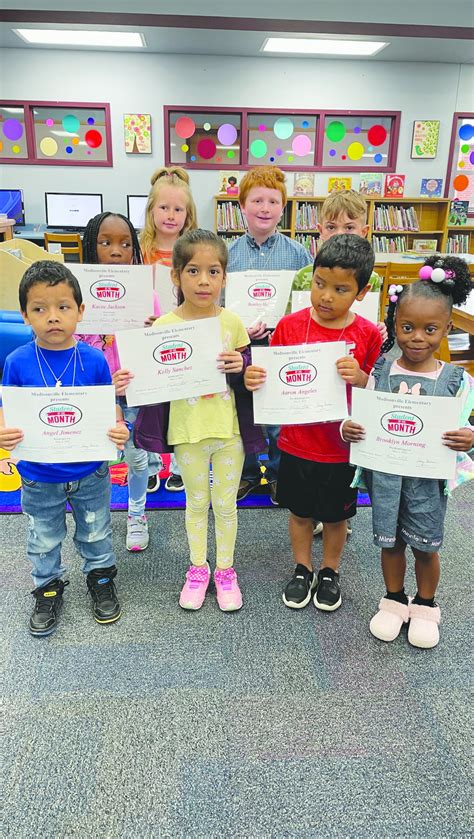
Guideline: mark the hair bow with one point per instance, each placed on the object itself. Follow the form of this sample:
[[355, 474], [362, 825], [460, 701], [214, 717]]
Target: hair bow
[[394, 291]]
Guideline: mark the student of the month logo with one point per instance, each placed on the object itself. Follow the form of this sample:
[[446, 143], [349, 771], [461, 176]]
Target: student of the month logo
[[262, 291], [60, 415], [298, 373], [172, 352], [401, 423], [107, 290]]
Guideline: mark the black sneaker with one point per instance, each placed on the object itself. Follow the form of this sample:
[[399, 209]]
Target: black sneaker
[[246, 487], [174, 483], [272, 491], [153, 483], [105, 605], [328, 592], [49, 600], [300, 588]]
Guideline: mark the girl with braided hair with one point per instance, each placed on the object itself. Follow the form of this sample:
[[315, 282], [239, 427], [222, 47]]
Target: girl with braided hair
[[111, 239], [405, 510]]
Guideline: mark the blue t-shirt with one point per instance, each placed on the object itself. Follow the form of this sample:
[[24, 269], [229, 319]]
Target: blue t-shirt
[[22, 370]]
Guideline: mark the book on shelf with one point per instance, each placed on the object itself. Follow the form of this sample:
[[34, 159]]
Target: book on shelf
[[310, 242], [393, 217], [370, 184], [306, 216], [228, 183], [458, 213], [230, 216], [431, 187], [389, 244], [303, 183], [394, 186], [339, 184], [425, 245], [457, 243]]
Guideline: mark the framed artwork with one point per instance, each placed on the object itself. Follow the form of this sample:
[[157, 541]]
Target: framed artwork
[[137, 133], [460, 174], [282, 138], [55, 133], [424, 143], [203, 139]]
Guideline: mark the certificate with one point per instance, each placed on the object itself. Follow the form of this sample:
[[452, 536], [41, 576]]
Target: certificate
[[403, 433], [62, 425], [172, 361], [367, 308], [302, 384], [115, 297], [258, 295], [166, 292]]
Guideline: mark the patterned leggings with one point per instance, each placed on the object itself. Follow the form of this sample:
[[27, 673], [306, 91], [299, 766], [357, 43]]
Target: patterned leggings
[[226, 458]]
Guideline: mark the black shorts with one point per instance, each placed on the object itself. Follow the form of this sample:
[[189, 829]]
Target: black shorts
[[311, 489]]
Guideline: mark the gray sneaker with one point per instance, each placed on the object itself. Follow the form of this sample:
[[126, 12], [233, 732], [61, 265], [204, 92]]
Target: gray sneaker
[[137, 533]]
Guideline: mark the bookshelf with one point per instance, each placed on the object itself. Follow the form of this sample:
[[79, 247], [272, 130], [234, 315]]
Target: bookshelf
[[460, 239], [395, 224]]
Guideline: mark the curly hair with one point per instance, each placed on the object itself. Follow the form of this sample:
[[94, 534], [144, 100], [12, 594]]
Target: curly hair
[[91, 233]]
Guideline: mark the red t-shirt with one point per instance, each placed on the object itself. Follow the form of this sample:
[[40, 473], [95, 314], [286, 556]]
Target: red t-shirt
[[322, 441]]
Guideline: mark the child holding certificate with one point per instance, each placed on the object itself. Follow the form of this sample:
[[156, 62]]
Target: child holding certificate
[[411, 511], [211, 430], [51, 303], [314, 480], [110, 239]]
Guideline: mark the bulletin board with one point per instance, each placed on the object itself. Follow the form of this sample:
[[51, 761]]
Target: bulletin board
[[460, 174]]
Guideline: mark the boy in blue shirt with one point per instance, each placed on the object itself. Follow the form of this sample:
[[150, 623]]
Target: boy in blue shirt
[[51, 303]]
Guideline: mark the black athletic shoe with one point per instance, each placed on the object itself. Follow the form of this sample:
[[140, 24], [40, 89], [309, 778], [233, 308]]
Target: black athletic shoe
[[328, 592], [300, 588], [174, 483], [49, 600], [272, 491], [105, 605], [153, 483], [246, 487]]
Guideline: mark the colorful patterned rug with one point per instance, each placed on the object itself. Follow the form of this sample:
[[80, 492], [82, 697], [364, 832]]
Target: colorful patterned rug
[[10, 483]]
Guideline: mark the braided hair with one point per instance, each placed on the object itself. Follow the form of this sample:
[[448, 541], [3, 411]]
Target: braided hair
[[453, 289], [89, 240]]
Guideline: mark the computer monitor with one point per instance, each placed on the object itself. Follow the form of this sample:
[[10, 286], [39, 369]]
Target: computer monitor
[[71, 210], [11, 203], [136, 210]]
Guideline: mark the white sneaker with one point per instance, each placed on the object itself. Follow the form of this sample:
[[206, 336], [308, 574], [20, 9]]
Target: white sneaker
[[137, 533]]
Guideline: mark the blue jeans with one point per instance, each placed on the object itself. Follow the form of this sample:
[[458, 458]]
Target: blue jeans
[[45, 506], [141, 465], [251, 470]]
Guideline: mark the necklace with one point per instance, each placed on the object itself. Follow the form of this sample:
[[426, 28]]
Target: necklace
[[439, 366], [57, 379], [256, 266], [311, 318]]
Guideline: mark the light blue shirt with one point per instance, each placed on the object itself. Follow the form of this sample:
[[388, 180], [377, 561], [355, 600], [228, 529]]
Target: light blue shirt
[[277, 253]]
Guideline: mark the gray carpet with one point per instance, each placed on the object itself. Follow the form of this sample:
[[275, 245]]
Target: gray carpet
[[264, 724]]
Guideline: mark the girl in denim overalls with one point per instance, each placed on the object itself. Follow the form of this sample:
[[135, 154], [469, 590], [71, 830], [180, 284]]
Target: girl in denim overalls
[[411, 511]]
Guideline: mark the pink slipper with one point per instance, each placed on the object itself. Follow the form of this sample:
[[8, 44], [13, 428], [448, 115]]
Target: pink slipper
[[423, 630], [388, 621]]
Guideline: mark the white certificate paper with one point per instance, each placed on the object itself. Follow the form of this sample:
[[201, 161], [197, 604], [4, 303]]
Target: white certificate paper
[[62, 425], [115, 297], [367, 308], [167, 293], [258, 295], [403, 433], [302, 384], [172, 361]]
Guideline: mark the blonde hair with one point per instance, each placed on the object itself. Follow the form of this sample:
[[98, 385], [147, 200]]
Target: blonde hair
[[166, 176], [347, 201], [270, 177]]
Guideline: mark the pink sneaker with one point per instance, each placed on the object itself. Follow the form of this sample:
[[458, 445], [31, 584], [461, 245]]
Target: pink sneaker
[[194, 590], [229, 597]]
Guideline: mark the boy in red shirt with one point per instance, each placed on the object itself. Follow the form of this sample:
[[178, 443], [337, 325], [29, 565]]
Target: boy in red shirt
[[314, 480]]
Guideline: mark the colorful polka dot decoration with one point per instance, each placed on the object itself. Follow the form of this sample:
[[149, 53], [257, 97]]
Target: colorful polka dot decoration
[[291, 131], [216, 147], [78, 131], [339, 142]]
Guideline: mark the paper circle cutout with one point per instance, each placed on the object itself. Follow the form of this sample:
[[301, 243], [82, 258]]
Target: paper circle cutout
[[262, 127], [48, 146], [301, 145], [69, 149], [218, 159], [185, 147], [272, 160], [283, 128], [460, 183], [332, 152], [471, 158], [90, 121], [355, 151], [231, 153], [16, 149], [1, 145], [279, 152], [71, 124], [258, 148], [193, 157], [207, 126], [12, 129], [49, 122], [461, 164], [93, 138], [336, 131], [206, 148], [466, 132], [227, 134], [343, 156], [290, 158], [465, 148], [305, 124], [357, 129], [75, 141], [377, 135], [378, 157], [185, 127]]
